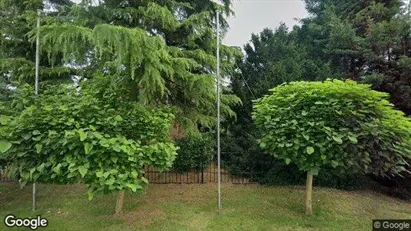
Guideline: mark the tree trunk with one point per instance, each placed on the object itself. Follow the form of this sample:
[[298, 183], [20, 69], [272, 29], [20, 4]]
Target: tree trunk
[[119, 204], [309, 189]]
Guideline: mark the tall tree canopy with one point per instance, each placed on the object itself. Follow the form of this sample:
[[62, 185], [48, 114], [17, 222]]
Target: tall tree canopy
[[17, 53], [366, 41], [163, 52]]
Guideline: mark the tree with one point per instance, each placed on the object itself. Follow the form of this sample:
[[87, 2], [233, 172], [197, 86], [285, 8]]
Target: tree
[[367, 41], [272, 57], [17, 53], [65, 136], [163, 52], [333, 123]]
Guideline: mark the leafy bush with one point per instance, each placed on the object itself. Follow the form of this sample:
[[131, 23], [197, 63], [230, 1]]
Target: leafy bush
[[242, 156], [65, 136], [333, 124], [195, 152]]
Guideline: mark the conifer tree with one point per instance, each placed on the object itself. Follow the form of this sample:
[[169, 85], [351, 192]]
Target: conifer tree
[[163, 52]]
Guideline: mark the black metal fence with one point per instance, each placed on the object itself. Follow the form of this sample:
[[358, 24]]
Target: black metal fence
[[206, 175], [155, 176]]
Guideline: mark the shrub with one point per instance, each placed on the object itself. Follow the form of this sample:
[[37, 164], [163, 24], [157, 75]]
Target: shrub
[[333, 124], [64, 136], [195, 152]]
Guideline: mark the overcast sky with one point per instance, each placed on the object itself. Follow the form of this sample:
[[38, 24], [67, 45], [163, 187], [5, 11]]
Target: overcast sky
[[252, 16]]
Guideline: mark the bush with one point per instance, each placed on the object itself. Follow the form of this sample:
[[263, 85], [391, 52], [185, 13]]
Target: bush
[[241, 156], [65, 136], [334, 124], [195, 152]]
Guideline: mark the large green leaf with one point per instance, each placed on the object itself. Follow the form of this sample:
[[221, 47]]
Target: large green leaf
[[337, 139], [88, 147], [4, 146], [39, 147], [310, 150], [83, 135], [83, 170]]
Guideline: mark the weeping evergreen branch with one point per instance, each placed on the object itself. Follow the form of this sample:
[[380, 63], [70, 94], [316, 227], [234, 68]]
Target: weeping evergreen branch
[[133, 45]]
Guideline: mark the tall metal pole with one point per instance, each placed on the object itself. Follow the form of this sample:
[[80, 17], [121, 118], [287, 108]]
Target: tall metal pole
[[218, 111], [36, 84]]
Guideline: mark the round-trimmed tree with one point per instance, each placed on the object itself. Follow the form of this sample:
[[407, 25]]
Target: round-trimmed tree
[[333, 123], [66, 136]]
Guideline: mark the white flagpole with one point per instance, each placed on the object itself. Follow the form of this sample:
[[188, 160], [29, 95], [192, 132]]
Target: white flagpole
[[218, 111], [36, 84]]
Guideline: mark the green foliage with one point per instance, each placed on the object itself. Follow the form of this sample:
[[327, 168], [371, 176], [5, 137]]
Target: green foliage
[[364, 41], [17, 54], [4, 146], [196, 152], [65, 136], [242, 156], [162, 52], [334, 124]]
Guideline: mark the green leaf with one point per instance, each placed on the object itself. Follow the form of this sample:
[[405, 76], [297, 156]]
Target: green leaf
[[110, 181], [88, 147], [82, 134], [114, 159], [90, 195], [263, 145], [334, 163], [36, 132], [99, 174], [97, 135], [310, 150], [32, 171], [314, 171], [106, 174], [40, 168], [38, 148], [83, 170], [118, 118], [337, 139], [56, 169], [353, 139], [4, 146], [323, 157], [4, 119], [26, 136], [287, 161], [143, 179], [133, 187]]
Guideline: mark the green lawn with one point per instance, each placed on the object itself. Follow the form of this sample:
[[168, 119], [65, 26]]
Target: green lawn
[[193, 207]]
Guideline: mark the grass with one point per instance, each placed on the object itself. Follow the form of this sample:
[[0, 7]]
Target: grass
[[194, 207]]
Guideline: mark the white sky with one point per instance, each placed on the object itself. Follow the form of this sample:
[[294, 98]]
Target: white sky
[[252, 16]]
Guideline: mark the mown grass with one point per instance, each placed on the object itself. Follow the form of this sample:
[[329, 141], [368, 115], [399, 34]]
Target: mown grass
[[194, 207]]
